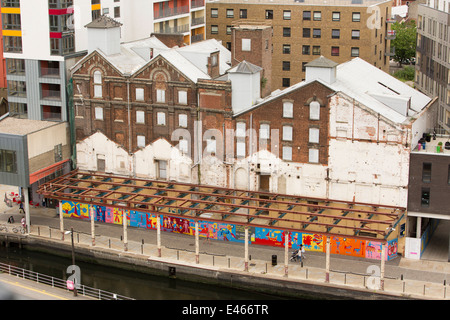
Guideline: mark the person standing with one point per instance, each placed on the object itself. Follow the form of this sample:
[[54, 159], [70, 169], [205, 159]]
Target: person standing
[[24, 226], [300, 253]]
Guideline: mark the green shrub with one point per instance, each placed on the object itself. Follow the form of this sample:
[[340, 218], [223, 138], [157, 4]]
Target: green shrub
[[405, 74]]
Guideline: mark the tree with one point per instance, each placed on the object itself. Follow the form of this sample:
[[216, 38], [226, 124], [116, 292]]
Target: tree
[[405, 41]]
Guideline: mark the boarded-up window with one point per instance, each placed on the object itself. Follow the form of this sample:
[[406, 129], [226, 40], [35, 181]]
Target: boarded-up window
[[161, 118], [287, 153], [314, 110], [314, 135], [246, 44], [97, 84], [287, 133], [182, 97], [182, 120], [140, 116], [140, 94], [160, 95], [240, 149], [98, 113], [141, 141], [264, 131], [240, 129], [288, 110], [313, 155]]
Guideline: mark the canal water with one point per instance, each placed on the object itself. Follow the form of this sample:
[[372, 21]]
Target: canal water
[[131, 284]]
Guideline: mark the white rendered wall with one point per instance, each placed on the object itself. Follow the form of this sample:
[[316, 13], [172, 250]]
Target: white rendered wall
[[368, 157], [140, 11]]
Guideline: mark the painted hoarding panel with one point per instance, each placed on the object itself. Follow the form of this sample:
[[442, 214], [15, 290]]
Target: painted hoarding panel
[[235, 233]]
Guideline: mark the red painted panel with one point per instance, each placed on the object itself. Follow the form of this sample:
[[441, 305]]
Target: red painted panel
[[55, 35]]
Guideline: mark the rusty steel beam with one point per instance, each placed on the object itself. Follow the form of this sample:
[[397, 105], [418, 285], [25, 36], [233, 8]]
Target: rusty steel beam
[[328, 234], [233, 206], [309, 205], [229, 189], [115, 193]]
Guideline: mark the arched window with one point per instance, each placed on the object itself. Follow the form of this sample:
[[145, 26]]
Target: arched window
[[97, 84], [314, 110]]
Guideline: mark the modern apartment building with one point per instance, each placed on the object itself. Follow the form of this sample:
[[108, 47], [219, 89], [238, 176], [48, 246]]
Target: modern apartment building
[[140, 18], [303, 30], [40, 38], [433, 55]]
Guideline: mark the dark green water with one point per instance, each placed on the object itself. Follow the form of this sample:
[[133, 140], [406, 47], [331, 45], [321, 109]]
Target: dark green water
[[131, 284]]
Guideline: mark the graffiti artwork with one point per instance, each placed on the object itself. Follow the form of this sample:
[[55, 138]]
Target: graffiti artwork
[[230, 232]]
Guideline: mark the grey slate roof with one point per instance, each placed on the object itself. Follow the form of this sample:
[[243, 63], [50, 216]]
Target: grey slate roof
[[103, 22], [245, 67], [322, 62]]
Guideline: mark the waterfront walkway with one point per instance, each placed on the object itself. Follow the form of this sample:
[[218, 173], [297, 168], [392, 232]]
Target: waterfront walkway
[[405, 278], [17, 288]]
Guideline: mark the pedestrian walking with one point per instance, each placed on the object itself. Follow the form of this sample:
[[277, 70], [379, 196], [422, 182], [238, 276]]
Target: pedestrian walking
[[24, 226], [207, 235], [21, 209], [302, 249], [300, 253]]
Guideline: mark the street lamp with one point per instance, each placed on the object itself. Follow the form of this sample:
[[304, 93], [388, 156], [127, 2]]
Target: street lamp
[[73, 261]]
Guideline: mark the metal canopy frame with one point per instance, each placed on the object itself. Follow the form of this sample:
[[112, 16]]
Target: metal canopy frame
[[291, 213]]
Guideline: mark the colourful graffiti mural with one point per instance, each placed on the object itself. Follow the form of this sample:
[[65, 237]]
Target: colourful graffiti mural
[[230, 232]]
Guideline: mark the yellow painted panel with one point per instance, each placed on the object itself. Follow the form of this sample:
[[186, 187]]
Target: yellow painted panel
[[10, 10], [12, 33], [96, 7]]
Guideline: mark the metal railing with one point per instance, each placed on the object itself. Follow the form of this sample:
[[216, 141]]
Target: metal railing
[[59, 283]]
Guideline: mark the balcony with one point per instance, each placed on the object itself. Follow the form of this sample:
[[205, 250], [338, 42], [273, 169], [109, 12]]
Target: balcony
[[198, 21], [197, 37], [170, 12], [197, 3], [50, 91], [179, 29], [51, 113]]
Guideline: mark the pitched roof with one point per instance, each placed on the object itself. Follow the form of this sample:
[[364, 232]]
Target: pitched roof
[[103, 22], [376, 91], [245, 67], [322, 62], [134, 55], [353, 79]]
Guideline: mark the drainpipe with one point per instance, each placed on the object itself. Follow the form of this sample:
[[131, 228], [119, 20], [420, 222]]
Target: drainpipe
[[129, 124]]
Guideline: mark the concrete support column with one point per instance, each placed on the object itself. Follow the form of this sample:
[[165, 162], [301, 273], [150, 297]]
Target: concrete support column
[[383, 258], [246, 249], [61, 221], [27, 209], [92, 211], [158, 235], [448, 248], [197, 244], [286, 253], [327, 262], [125, 231], [419, 227]]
